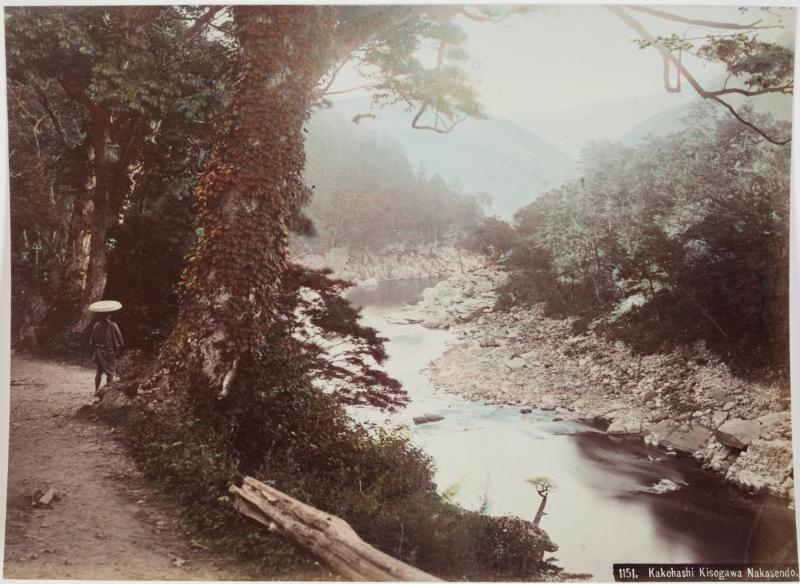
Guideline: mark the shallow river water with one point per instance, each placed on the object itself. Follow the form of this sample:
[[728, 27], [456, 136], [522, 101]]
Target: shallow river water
[[605, 508]]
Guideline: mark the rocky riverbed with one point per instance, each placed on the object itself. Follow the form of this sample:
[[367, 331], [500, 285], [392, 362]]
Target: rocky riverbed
[[685, 401], [397, 262]]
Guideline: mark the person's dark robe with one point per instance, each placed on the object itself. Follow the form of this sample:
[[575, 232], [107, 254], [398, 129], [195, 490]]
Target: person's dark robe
[[105, 341]]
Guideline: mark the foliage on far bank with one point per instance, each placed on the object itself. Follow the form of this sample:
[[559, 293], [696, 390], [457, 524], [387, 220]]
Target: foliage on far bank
[[681, 239]]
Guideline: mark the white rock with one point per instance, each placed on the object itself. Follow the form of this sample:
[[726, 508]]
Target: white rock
[[625, 426], [548, 403], [738, 433], [515, 363], [718, 418]]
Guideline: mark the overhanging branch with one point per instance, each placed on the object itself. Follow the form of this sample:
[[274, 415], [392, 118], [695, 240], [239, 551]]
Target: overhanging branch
[[701, 91], [709, 23]]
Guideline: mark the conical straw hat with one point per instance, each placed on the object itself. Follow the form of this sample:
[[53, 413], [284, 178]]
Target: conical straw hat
[[105, 306]]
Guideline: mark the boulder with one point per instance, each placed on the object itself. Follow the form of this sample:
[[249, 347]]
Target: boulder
[[728, 406], [659, 416], [648, 395], [622, 426], [738, 433], [487, 340], [427, 418], [515, 363], [437, 320], [513, 543], [718, 418], [684, 438], [548, 403], [766, 466], [525, 411]]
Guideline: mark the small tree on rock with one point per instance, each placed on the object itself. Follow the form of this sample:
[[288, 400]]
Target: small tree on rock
[[544, 486]]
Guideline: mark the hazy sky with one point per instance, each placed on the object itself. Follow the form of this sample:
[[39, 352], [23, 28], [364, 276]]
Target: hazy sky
[[557, 57]]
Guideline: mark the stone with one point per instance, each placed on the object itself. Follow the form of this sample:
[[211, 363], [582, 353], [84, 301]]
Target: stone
[[47, 497], [686, 439], [548, 403], [649, 395], [515, 363], [659, 416], [738, 433], [427, 419], [437, 320], [718, 418], [622, 426], [766, 466], [774, 419], [728, 406], [525, 411], [488, 340]]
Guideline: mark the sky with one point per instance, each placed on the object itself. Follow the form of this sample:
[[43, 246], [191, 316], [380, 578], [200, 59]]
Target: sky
[[558, 57]]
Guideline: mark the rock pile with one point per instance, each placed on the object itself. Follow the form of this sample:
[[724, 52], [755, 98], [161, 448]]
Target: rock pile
[[686, 401], [398, 262], [457, 300]]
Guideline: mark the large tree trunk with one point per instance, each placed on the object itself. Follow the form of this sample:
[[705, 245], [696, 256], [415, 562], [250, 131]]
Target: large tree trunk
[[95, 278], [243, 197], [76, 257]]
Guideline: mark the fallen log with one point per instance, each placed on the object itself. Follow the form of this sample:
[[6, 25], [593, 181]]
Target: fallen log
[[326, 537]]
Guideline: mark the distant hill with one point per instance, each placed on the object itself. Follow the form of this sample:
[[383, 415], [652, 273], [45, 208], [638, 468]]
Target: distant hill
[[660, 124], [670, 120], [572, 128], [495, 156]]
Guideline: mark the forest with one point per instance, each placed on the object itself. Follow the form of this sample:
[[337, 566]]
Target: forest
[[681, 239], [182, 159]]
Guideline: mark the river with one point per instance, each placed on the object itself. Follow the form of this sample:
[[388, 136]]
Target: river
[[607, 506]]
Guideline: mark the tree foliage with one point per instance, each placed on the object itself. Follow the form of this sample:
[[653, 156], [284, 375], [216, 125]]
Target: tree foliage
[[680, 239], [366, 194], [491, 237]]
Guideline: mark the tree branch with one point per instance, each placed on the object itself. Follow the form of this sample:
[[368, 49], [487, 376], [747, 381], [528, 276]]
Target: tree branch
[[750, 125], [46, 105], [201, 22], [709, 23], [482, 18], [439, 130], [715, 95]]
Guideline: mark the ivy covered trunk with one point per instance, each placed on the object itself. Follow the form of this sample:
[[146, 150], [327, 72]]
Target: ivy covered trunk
[[231, 282]]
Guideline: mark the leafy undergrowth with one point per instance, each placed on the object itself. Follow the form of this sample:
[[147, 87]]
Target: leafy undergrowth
[[274, 426]]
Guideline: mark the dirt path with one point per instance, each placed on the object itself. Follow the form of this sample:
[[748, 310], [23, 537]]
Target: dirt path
[[106, 524]]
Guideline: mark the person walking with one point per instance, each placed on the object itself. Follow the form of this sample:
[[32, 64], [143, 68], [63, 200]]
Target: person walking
[[105, 342]]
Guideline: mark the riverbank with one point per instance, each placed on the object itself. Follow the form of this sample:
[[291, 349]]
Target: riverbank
[[685, 401]]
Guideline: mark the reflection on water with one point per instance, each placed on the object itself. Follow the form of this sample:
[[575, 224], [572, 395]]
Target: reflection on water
[[603, 510]]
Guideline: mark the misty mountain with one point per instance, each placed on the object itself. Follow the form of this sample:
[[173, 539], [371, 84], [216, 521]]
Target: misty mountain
[[608, 119], [670, 120], [496, 156], [660, 124]]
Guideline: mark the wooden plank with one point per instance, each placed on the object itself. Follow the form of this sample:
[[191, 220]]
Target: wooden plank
[[326, 537]]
